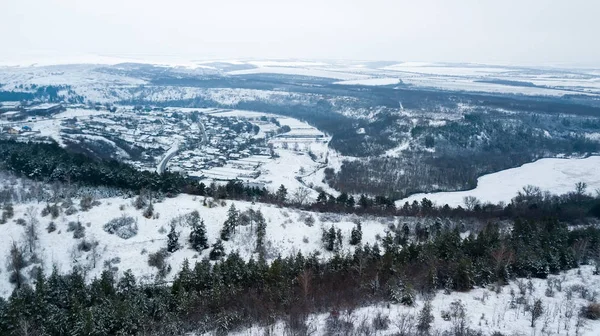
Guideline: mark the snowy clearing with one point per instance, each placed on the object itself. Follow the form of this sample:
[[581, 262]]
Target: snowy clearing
[[555, 175]]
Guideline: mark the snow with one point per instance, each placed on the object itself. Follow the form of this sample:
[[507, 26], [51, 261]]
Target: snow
[[371, 81], [558, 176], [286, 233], [324, 73]]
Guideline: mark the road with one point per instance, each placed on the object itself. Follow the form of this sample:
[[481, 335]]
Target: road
[[162, 165]]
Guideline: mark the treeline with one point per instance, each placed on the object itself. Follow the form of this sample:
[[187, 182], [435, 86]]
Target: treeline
[[232, 293], [461, 151], [50, 163]]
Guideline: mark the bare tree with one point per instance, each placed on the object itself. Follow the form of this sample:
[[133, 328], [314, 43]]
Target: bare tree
[[300, 195], [471, 202], [31, 230], [536, 311], [94, 252], [580, 188]]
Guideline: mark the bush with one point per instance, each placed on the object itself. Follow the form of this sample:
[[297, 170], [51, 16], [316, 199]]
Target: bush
[[124, 227], [591, 311], [158, 259], [52, 210], [309, 220], [21, 222], [381, 322], [86, 203], [77, 228], [84, 246], [335, 326], [51, 227], [70, 211], [217, 250]]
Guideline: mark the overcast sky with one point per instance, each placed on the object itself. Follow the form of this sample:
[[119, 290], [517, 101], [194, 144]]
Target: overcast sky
[[484, 31]]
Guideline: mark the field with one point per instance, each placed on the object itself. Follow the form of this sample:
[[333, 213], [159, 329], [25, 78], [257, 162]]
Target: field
[[558, 176]]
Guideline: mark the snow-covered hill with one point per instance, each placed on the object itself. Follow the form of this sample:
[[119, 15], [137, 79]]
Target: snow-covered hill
[[288, 232]]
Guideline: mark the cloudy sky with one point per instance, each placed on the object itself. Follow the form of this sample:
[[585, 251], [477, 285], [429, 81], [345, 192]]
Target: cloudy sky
[[484, 31]]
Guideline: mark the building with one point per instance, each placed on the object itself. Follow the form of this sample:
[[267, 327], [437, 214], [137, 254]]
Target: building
[[9, 106], [12, 116], [13, 130], [46, 109]]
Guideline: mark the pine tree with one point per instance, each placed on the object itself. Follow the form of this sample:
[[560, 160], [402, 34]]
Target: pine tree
[[261, 231], [328, 238], [198, 239], [149, 211], [281, 194], [332, 239], [217, 251], [425, 319], [322, 198], [356, 234], [173, 240], [230, 223], [351, 202]]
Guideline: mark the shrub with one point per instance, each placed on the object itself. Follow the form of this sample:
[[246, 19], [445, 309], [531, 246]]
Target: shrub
[[309, 220], [84, 246], [591, 311], [158, 259], [381, 321], [217, 250], [21, 222], [335, 326], [77, 228], [70, 211], [51, 227], [52, 210], [86, 203], [124, 227]]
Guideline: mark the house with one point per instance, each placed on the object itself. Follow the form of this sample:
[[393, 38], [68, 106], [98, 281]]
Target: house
[[12, 116], [14, 130], [9, 106], [46, 109]]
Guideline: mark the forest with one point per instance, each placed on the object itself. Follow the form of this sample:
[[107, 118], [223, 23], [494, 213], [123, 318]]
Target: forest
[[231, 293]]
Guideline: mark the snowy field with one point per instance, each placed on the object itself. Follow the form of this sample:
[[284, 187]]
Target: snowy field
[[371, 81], [91, 80], [555, 175]]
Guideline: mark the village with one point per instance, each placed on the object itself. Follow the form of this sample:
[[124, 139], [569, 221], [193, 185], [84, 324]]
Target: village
[[210, 145]]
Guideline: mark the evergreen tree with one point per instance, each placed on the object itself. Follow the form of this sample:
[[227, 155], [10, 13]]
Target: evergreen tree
[[322, 198], [149, 211], [198, 238], [332, 239], [350, 203], [363, 202], [425, 319], [230, 224], [281, 194], [217, 251], [261, 231], [356, 234], [173, 240]]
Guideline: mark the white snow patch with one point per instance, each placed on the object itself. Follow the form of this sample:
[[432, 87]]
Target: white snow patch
[[555, 175]]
